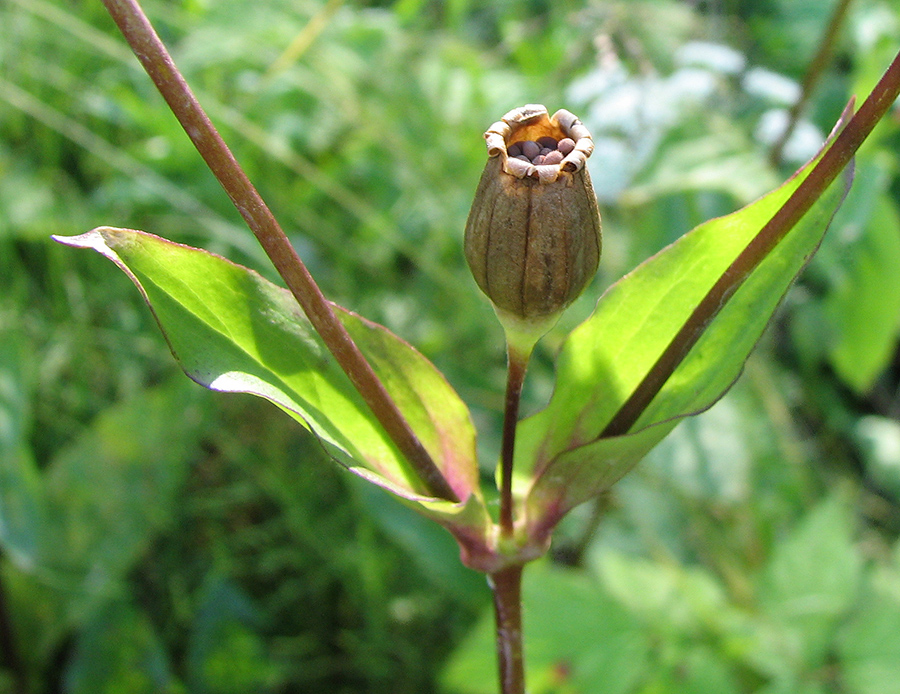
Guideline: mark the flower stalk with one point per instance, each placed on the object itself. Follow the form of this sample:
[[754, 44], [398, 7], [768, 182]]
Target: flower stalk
[[517, 364], [150, 51]]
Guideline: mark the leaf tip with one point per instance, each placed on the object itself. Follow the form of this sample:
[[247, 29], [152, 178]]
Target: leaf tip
[[93, 239], [79, 241]]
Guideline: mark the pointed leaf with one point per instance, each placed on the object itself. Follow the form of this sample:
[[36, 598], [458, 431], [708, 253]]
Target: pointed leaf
[[604, 359], [232, 330]]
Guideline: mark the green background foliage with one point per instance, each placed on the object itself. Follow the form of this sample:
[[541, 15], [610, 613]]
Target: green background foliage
[[157, 537]]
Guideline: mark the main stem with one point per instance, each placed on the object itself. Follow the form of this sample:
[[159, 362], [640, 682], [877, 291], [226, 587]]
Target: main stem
[[507, 588], [506, 584], [159, 65]]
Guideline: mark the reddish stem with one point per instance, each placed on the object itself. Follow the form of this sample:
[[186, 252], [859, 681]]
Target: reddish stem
[[507, 589], [813, 75], [159, 65]]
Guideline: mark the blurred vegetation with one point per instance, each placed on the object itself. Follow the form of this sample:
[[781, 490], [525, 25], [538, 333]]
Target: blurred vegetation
[[156, 537]]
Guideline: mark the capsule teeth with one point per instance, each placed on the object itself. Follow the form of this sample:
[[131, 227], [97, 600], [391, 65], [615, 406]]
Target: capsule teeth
[[520, 168], [525, 114], [546, 151]]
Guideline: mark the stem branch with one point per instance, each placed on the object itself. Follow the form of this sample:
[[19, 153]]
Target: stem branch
[[156, 60], [812, 76]]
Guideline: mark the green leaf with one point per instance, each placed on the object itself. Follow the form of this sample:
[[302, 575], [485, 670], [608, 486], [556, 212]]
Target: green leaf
[[232, 330], [226, 655], [119, 651], [790, 686], [870, 647], [699, 671], [810, 582], [674, 601], [37, 612], [865, 318], [114, 489], [604, 360]]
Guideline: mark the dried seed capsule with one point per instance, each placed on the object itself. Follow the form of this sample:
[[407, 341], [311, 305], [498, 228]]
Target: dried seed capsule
[[533, 233]]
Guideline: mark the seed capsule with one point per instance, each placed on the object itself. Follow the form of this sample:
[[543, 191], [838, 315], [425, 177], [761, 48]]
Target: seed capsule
[[533, 233]]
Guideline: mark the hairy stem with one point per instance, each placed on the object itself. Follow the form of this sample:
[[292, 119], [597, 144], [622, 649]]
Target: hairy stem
[[813, 75], [156, 60], [822, 175], [507, 588], [517, 363]]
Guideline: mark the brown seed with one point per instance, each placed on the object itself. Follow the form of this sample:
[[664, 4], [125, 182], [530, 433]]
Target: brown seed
[[539, 159], [555, 157], [514, 150], [530, 149], [547, 141], [566, 145]]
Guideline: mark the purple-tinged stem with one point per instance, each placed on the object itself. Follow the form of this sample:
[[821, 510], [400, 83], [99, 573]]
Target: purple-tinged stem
[[507, 588], [516, 367], [813, 75]]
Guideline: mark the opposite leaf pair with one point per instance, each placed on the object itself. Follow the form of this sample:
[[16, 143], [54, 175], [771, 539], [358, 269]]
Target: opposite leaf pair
[[231, 330]]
